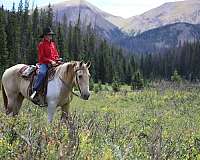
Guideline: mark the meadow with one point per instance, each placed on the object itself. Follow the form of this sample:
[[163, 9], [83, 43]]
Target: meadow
[[161, 121]]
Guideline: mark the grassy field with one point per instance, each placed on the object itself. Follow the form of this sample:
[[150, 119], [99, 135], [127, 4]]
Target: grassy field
[[160, 122]]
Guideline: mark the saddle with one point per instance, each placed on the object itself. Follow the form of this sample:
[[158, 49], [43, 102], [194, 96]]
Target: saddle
[[30, 72]]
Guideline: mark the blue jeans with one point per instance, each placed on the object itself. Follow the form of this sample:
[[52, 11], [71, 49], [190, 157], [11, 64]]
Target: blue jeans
[[40, 77]]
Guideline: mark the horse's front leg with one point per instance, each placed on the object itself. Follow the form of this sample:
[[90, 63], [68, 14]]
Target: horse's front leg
[[65, 112], [51, 110]]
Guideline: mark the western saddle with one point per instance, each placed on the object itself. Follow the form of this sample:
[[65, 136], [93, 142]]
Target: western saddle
[[29, 72]]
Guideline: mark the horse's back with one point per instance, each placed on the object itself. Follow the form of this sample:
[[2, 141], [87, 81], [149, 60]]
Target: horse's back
[[12, 70], [10, 78]]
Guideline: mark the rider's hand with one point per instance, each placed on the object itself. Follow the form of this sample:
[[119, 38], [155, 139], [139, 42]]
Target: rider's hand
[[59, 62], [53, 63]]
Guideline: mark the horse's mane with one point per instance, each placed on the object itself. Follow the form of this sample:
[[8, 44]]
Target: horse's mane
[[63, 68], [63, 71]]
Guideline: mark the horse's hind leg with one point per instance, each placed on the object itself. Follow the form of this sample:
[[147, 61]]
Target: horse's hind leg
[[14, 104], [10, 106], [18, 103]]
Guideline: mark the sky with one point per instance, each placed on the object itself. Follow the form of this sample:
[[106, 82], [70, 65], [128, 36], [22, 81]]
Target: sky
[[123, 8]]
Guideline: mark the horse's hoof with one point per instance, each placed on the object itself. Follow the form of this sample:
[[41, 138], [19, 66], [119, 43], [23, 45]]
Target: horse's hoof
[[10, 114]]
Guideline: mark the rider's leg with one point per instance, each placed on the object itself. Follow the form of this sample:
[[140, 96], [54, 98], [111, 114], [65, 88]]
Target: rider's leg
[[40, 78]]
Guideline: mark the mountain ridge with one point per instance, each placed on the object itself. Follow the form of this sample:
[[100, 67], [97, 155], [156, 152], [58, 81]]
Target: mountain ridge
[[168, 36], [171, 12]]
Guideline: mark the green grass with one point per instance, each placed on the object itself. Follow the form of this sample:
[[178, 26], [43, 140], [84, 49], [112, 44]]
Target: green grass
[[156, 122]]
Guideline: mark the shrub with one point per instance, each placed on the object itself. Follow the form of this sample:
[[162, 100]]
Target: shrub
[[91, 84], [137, 81], [116, 86], [97, 87], [106, 88], [176, 77]]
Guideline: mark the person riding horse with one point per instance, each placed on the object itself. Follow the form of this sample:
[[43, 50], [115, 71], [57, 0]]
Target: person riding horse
[[47, 54]]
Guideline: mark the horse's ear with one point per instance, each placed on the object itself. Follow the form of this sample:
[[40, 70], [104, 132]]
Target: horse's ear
[[88, 64], [81, 63], [74, 65]]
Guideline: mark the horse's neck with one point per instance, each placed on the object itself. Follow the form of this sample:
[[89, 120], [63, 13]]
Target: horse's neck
[[60, 73], [65, 87]]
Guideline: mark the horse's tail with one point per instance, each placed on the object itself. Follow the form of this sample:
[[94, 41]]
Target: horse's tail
[[5, 99]]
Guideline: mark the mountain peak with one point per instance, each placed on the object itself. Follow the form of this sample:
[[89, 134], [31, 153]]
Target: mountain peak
[[172, 12], [73, 2], [89, 13]]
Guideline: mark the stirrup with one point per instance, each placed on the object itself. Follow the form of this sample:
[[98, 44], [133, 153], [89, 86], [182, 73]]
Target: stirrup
[[33, 95]]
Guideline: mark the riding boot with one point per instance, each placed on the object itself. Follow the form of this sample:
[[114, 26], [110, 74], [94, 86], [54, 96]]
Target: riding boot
[[33, 95]]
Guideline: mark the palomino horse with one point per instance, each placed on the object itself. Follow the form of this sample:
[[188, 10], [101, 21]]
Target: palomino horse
[[59, 90]]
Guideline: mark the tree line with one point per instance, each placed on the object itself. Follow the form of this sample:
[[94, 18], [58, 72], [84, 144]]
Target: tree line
[[185, 59], [20, 31]]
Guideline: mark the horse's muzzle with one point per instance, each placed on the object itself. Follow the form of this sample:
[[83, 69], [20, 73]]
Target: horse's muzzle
[[86, 96]]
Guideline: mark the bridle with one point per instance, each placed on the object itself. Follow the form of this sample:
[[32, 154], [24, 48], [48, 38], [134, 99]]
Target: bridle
[[77, 84]]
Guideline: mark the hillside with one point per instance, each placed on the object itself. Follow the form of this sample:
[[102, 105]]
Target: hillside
[[161, 38], [173, 12]]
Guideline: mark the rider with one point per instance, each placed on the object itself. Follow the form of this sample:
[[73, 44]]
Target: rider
[[47, 54]]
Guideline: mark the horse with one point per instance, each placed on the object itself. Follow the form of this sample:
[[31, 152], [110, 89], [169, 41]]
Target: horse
[[59, 89]]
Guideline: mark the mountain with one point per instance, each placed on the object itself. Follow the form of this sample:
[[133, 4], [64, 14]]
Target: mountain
[[106, 24], [162, 38], [182, 11], [163, 27]]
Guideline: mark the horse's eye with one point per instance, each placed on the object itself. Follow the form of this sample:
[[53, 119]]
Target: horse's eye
[[80, 76]]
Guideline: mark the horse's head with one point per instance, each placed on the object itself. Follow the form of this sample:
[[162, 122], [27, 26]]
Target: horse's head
[[77, 73], [82, 77]]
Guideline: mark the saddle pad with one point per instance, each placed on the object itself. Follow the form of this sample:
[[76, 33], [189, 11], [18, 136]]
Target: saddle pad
[[27, 71]]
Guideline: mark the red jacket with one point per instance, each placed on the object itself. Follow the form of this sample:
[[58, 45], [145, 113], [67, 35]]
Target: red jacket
[[47, 52]]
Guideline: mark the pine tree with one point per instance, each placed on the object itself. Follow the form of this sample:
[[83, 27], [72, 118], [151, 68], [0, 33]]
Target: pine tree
[[43, 18], [3, 43], [60, 40], [12, 31], [65, 25], [76, 39], [20, 8], [34, 32], [71, 56], [49, 16]]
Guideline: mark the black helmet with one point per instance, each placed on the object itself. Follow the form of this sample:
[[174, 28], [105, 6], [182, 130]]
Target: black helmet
[[47, 31]]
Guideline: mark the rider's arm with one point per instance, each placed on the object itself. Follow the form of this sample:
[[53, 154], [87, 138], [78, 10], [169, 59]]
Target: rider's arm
[[56, 51], [42, 55]]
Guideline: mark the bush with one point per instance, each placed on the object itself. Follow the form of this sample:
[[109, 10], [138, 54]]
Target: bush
[[106, 88], [137, 81], [91, 85], [176, 77], [116, 86], [97, 87]]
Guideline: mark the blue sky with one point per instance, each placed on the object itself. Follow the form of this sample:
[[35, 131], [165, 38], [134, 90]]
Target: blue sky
[[123, 8]]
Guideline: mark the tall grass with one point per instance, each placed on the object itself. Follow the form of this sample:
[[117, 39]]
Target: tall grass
[[155, 123]]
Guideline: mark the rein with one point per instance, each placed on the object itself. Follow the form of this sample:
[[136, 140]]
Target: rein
[[77, 83]]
